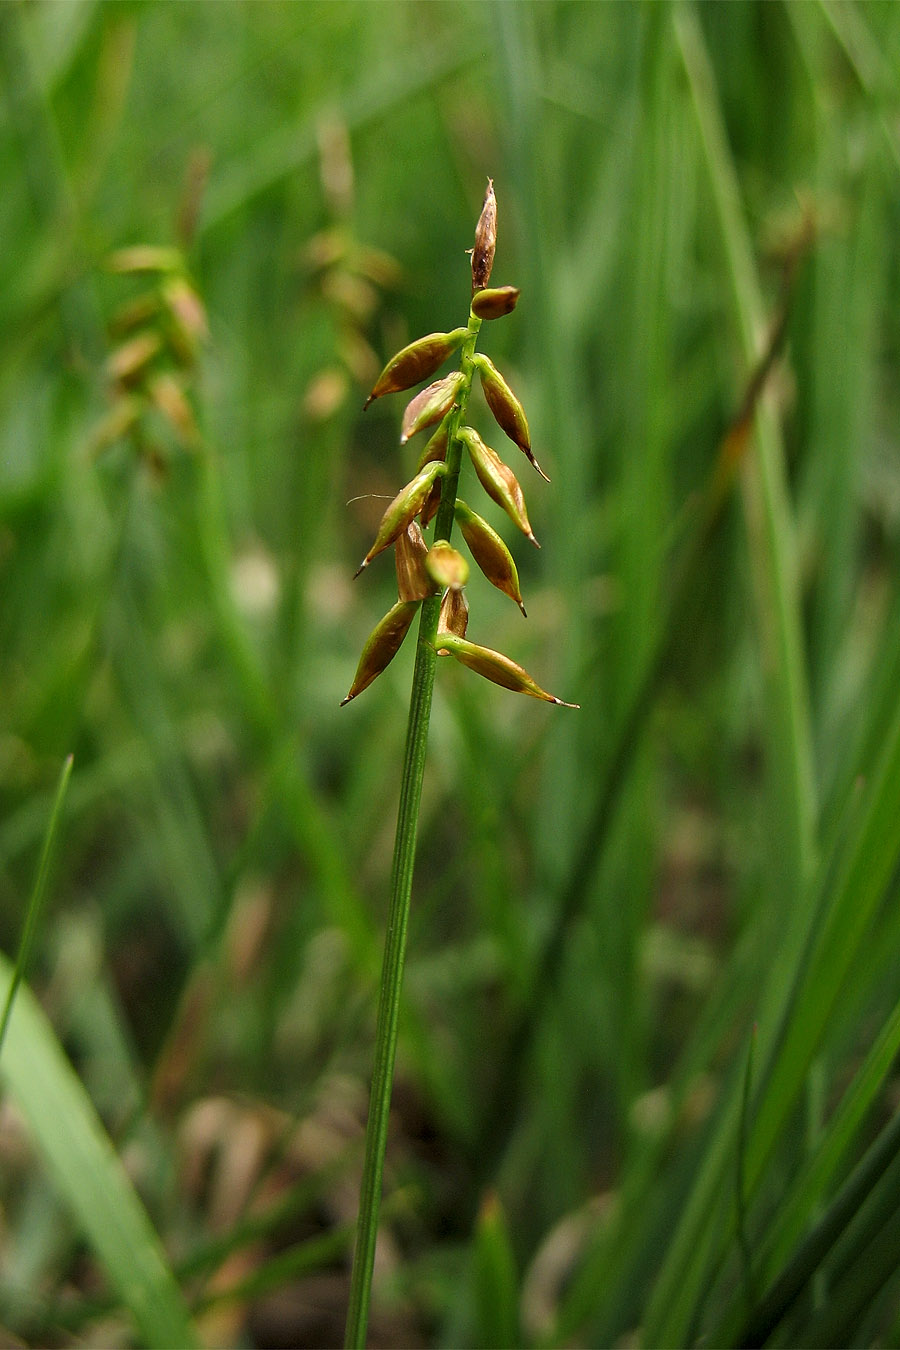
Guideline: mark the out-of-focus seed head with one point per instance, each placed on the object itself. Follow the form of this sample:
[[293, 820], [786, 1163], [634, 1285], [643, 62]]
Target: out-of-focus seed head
[[507, 410], [431, 404], [415, 363], [485, 240], [405, 507], [167, 393], [413, 582], [498, 480], [145, 258], [187, 309], [453, 618], [445, 566], [498, 668], [490, 552], [495, 302], [382, 645], [128, 362]]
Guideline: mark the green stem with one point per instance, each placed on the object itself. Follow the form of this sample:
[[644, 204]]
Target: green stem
[[401, 889]]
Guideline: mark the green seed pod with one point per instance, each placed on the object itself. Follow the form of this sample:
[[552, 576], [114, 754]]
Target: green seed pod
[[506, 408], [494, 303], [485, 240], [404, 508], [413, 582], [431, 404], [382, 645], [415, 363], [498, 480], [435, 447], [453, 618], [446, 567], [497, 667], [490, 552]]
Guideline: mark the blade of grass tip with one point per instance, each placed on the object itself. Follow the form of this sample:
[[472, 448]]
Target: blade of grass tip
[[36, 900], [88, 1174]]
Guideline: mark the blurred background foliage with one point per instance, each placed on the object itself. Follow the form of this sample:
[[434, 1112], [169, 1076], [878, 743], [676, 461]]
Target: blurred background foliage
[[591, 1142]]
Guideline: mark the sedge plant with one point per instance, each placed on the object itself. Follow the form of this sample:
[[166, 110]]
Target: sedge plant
[[431, 581]]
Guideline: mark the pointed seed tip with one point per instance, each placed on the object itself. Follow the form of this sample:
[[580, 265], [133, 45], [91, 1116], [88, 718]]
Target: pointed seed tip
[[345, 701], [362, 567]]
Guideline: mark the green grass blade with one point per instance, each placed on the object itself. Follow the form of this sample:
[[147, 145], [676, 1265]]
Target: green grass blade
[[36, 899], [811, 1181], [789, 743], [86, 1171]]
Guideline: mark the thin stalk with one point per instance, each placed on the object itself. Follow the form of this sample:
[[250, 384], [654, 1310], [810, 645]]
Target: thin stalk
[[401, 889]]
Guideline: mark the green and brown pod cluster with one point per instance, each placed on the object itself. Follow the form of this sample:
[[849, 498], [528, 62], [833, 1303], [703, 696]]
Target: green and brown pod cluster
[[157, 338], [434, 577]]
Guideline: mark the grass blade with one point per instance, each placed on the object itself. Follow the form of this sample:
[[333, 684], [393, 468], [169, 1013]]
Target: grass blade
[[88, 1174], [36, 899]]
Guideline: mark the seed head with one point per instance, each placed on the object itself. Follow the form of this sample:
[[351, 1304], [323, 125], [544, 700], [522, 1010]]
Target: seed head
[[494, 303], [413, 582], [498, 480], [447, 568], [430, 405], [435, 447], [485, 240], [490, 552], [453, 618], [415, 363], [496, 667], [507, 409], [405, 507], [382, 645]]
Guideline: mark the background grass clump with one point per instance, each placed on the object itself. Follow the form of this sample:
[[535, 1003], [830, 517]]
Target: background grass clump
[[645, 1078]]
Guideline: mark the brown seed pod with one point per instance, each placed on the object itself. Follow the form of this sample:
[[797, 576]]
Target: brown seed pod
[[490, 552], [498, 480], [405, 507], [382, 645], [453, 618], [415, 363], [431, 404], [494, 303], [446, 567], [496, 667], [506, 408], [410, 549], [485, 240]]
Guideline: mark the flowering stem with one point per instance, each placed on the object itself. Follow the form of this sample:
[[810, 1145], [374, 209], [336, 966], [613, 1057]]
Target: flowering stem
[[401, 888]]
